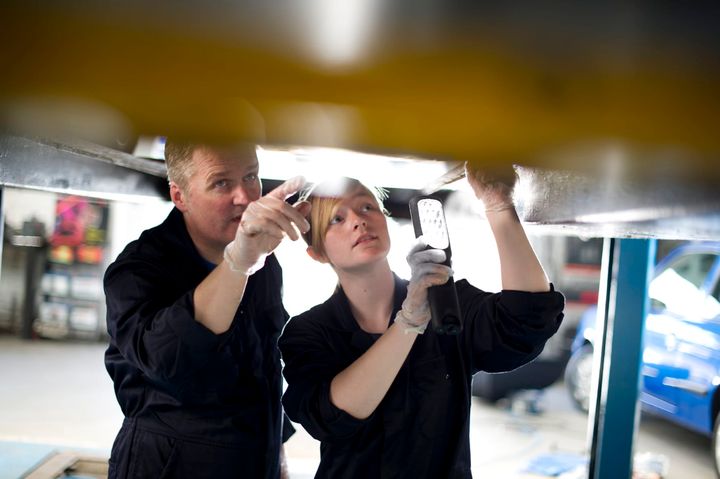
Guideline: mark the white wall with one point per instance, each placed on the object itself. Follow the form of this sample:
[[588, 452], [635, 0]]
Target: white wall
[[21, 205], [128, 220]]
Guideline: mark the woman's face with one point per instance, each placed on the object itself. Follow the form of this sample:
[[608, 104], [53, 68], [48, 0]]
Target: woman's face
[[357, 233]]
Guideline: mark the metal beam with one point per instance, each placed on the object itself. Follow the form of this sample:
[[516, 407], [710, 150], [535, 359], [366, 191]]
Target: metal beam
[[2, 227], [78, 168], [622, 308], [597, 202], [621, 203]]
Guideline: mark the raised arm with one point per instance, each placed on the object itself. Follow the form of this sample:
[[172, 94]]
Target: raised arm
[[520, 268], [263, 226]]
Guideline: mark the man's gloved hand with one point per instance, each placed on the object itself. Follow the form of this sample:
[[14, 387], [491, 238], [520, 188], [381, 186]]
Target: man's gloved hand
[[263, 226], [426, 271]]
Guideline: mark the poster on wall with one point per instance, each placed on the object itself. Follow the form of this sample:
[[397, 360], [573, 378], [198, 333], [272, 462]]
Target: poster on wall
[[80, 231]]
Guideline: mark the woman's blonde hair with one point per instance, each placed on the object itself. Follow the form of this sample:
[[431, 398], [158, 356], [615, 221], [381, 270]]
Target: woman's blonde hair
[[324, 197]]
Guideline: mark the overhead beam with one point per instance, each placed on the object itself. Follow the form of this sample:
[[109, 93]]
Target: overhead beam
[[603, 203], [615, 203], [78, 168]]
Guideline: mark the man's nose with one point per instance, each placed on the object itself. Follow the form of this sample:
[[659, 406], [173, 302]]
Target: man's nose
[[241, 196]]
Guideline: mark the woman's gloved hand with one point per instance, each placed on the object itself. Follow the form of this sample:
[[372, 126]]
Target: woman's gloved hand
[[494, 189], [426, 271]]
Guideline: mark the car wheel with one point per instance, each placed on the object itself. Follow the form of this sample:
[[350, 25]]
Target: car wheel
[[578, 376], [716, 445]]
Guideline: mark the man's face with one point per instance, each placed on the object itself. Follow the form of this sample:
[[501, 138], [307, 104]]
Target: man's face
[[218, 191]]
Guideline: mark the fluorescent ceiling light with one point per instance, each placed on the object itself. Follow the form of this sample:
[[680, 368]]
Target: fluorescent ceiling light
[[318, 164]]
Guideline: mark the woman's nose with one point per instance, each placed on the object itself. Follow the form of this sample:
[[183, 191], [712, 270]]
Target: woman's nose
[[358, 221]]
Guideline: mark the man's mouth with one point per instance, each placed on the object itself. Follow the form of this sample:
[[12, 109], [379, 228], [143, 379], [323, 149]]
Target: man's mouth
[[364, 239]]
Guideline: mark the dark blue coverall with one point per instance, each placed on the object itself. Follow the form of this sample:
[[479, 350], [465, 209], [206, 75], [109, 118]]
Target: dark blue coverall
[[196, 404], [421, 427]]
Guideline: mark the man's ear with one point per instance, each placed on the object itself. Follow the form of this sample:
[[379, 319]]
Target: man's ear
[[321, 258], [178, 197]]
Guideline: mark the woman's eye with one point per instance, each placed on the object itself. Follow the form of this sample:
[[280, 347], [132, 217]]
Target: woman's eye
[[335, 219], [368, 207]]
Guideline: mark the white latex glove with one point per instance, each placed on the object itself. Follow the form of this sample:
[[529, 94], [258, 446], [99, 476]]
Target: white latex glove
[[494, 189], [264, 224], [425, 272]]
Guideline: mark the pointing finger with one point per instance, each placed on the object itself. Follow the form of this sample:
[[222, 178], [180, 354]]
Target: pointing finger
[[279, 219], [288, 188], [281, 212]]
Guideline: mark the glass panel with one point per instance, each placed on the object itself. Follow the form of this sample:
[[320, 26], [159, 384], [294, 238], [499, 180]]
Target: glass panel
[[677, 288]]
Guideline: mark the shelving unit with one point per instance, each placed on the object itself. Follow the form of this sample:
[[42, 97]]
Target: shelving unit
[[71, 300]]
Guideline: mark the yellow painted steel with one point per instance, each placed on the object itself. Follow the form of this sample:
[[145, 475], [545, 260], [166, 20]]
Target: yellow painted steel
[[461, 97]]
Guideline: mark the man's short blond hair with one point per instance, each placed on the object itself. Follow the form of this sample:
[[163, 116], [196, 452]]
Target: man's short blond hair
[[178, 160], [179, 157]]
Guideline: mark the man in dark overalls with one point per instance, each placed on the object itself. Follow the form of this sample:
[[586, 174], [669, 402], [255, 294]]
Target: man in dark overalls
[[194, 310]]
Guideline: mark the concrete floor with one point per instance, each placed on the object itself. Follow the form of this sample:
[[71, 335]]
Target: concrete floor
[[58, 393]]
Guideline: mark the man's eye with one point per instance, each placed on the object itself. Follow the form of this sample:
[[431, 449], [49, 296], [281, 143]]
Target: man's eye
[[250, 178], [221, 183]]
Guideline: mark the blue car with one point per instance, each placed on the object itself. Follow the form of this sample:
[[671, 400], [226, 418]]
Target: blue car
[[681, 350]]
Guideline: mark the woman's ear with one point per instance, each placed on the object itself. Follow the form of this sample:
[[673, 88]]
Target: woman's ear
[[321, 258]]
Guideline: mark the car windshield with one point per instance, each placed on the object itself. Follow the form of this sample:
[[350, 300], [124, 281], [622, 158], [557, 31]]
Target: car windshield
[[679, 287]]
